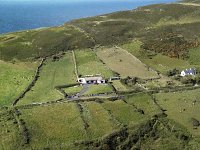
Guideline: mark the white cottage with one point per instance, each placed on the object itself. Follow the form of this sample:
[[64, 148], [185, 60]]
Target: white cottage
[[92, 80], [191, 71]]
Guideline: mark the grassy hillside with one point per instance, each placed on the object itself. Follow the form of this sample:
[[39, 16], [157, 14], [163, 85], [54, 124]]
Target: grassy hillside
[[150, 107], [42, 42], [191, 1], [150, 24], [52, 74], [14, 78]]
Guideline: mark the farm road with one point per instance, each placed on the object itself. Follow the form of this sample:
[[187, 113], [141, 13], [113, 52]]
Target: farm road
[[84, 90]]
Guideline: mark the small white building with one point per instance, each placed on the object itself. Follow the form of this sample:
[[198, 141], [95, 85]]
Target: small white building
[[92, 80], [191, 71]]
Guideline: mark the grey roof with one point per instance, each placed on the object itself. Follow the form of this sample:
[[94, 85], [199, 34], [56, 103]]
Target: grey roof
[[93, 78], [190, 71]]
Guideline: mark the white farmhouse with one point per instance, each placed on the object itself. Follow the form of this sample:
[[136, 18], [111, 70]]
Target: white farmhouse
[[92, 80], [191, 71]]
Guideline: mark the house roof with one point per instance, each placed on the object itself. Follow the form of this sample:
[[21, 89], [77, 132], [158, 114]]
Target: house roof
[[93, 78], [190, 71]]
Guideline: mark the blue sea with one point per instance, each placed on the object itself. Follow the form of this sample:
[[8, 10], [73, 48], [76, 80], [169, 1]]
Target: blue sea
[[21, 15]]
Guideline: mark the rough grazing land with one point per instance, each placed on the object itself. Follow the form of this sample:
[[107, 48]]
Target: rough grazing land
[[10, 136], [182, 107], [158, 62], [124, 63]]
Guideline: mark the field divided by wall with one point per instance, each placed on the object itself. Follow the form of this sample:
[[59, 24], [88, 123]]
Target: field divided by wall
[[122, 62], [53, 73]]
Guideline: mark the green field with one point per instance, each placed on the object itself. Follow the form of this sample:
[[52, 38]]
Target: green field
[[89, 64], [9, 132], [98, 119], [14, 78], [125, 113], [158, 62], [92, 89], [54, 126], [181, 107], [52, 74], [143, 102], [141, 43], [124, 63], [101, 88], [194, 55], [119, 86], [73, 90]]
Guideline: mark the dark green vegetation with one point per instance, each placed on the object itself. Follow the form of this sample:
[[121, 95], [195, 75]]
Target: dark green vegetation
[[42, 42], [151, 107], [192, 1], [169, 28]]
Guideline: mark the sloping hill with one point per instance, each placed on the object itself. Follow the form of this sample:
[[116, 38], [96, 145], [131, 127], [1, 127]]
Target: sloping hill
[[149, 24]]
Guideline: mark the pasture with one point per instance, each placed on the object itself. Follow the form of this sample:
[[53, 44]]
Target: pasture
[[92, 89], [119, 86], [52, 74], [157, 62], [122, 62], [54, 126], [125, 113], [143, 102], [194, 55], [10, 137], [182, 107], [14, 78], [99, 121], [89, 64], [97, 89], [73, 90]]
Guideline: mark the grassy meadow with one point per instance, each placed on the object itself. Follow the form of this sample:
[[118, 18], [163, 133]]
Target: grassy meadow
[[97, 89], [194, 55], [14, 78], [158, 62], [73, 90], [54, 126], [89, 64], [119, 86], [182, 107], [126, 114], [10, 136], [52, 74], [125, 64], [143, 102], [99, 121]]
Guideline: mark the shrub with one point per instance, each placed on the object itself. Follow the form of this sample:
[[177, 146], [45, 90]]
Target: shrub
[[188, 80], [195, 122], [172, 72]]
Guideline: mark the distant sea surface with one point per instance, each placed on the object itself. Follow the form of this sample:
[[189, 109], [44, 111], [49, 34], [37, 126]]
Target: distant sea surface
[[15, 16]]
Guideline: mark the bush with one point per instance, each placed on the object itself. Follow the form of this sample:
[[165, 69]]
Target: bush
[[195, 122], [172, 72], [188, 80]]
